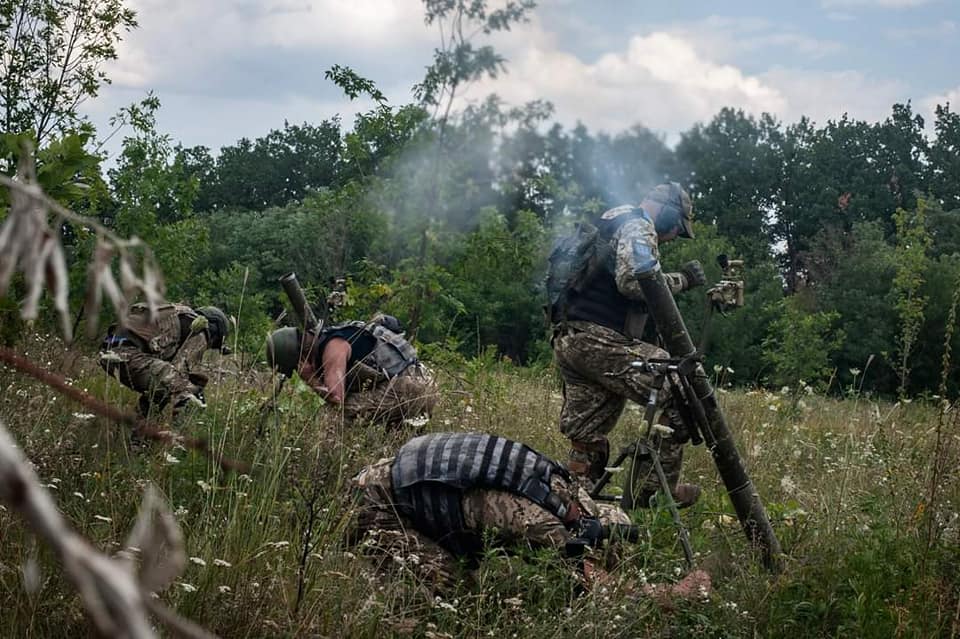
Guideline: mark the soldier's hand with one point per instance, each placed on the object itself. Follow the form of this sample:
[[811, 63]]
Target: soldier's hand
[[693, 271]]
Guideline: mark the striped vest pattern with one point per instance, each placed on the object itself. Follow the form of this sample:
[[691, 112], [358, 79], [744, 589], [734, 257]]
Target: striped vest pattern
[[432, 472]]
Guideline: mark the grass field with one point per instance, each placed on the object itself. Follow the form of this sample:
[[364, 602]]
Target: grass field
[[864, 496]]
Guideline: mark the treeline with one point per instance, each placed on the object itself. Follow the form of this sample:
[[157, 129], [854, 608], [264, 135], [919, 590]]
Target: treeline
[[850, 230]]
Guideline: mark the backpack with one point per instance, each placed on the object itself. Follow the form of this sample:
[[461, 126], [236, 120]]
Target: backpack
[[574, 260]]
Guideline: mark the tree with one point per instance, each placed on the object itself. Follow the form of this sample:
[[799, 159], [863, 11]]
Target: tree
[[732, 176], [51, 54], [851, 274], [153, 196], [799, 345], [279, 168], [943, 169], [913, 242]]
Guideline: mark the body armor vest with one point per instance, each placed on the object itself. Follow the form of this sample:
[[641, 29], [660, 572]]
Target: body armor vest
[[599, 300], [391, 355], [432, 472], [162, 336]]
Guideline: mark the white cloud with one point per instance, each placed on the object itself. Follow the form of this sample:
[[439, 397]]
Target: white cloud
[[728, 39], [178, 37], [666, 82], [827, 95], [941, 30], [951, 96], [378, 24], [885, 4], [229, 68]]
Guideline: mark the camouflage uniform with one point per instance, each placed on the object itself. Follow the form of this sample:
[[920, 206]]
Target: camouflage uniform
[[373, 397], [155, 358], [388, 536], [594, 361]]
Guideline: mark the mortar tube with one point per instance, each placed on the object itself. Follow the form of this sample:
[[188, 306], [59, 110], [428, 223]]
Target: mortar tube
[[305, 315]]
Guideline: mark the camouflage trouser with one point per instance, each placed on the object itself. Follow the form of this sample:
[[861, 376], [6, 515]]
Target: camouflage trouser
[[594, 363], [413, 393], [159, 382], [387, 536]]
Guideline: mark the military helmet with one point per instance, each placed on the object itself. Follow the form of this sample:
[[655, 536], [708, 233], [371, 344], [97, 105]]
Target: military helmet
[[677, 208], [283, 349], [389, 322], [219, 325]]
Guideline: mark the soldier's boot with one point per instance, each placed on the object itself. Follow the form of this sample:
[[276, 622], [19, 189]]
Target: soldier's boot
[[587, 461], [685, 495]]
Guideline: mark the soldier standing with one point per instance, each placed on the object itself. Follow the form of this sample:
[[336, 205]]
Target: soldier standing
[[157, 356], [599, 324], [368, 369]]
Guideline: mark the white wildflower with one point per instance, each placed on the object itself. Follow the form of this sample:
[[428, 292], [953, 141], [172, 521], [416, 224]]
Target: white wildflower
[[187, 587], [223, 589], [84, 416], [102, 518], [204, 486], [447, 606], [787, 484], [223, 563], [417, 422], [170, 459], [198, 561]]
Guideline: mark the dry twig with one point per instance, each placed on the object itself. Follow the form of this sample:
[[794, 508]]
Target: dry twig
[[143, 427], [115, 595]]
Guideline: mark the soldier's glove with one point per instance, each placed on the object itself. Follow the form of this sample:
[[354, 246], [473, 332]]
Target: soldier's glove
[[693, 272], [588, 534]]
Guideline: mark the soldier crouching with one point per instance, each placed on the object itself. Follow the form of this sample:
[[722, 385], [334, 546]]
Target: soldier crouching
[[367, 370], [432, 506], [155, 356]]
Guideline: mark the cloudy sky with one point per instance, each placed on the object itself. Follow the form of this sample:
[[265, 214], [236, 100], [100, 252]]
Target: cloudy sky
[[225, 69]]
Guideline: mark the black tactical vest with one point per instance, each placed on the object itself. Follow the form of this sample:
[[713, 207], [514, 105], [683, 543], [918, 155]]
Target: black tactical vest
[[391, 355], [432, 472], [600, 301]]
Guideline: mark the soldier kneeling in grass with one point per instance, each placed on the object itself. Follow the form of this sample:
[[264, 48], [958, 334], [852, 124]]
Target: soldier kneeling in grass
[[157, 356], [367, 369], [444, 495]]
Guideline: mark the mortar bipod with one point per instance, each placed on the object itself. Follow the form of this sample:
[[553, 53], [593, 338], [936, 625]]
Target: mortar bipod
[[662, 370]]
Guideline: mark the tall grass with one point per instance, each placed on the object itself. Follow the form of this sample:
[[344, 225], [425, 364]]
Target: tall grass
[[847, 484]]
